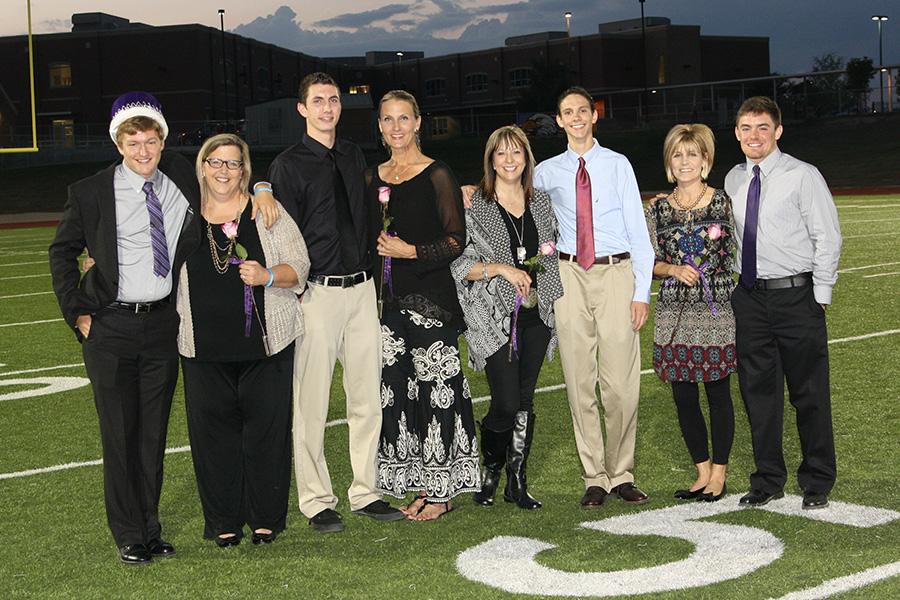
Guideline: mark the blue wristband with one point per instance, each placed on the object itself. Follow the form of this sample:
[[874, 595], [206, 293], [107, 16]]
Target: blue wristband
[[271, 278], [262, 186]]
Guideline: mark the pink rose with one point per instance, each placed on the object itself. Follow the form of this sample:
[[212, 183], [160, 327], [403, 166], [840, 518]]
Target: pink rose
[[547, 248], [714, 232], [230, 229], [384, 194]]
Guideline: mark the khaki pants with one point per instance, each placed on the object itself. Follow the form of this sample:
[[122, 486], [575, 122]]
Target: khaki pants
[[341, 324], [597, 345]]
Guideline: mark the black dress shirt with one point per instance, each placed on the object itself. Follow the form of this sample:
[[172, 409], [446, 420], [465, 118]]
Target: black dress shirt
[[304, 181]]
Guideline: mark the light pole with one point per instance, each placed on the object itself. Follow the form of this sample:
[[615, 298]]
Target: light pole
[[643, 60], [880, 19], [568, 16], [224, 65], [399, 59]]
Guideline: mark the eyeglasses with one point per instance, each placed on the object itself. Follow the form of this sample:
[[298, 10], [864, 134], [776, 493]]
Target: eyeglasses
[[216, 163]]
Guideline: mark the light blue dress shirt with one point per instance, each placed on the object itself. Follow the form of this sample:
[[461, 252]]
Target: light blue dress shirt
[[619, 224], [137, 283]]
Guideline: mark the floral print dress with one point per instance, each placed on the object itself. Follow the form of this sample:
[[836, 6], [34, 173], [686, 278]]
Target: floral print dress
[[693, 336]]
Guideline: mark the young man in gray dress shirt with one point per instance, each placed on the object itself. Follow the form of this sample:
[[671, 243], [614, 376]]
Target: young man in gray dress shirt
[[788, 246]]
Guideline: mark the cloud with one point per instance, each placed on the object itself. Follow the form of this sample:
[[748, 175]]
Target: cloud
[[54, 25], [363, 19]]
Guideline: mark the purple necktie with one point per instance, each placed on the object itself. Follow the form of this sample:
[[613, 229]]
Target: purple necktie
[[157, 233], [751, 221]]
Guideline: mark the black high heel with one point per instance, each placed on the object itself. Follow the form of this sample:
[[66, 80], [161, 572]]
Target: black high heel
[[228, 542], [263, 538], [688, 494], [709, 497]]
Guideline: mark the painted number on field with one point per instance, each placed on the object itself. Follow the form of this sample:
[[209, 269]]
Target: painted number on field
[[43, 386], [508, 563]]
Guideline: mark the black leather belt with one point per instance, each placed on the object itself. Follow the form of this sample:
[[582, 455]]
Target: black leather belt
[[612, 259], [342, 281], [137, 307], [782, 283]]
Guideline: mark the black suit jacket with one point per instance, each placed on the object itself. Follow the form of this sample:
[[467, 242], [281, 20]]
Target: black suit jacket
[[89, 221]]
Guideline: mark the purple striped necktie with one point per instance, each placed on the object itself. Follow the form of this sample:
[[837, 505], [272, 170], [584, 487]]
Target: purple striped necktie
[[157, 232], [751, 222]]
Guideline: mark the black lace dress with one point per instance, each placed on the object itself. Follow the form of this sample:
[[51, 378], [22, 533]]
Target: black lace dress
[[428, 429], [693, 336]]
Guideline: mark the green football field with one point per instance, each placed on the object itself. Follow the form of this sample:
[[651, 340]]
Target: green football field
[[54, 542]]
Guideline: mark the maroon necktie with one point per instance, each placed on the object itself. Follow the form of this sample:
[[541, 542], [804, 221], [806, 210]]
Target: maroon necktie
[[584, 218]]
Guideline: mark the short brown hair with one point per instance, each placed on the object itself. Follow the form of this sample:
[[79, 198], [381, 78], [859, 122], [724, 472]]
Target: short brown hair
[[210, 146], [692, 134], [138, 124], [507, 136], [758, 105], [578, 91], [312, 79]]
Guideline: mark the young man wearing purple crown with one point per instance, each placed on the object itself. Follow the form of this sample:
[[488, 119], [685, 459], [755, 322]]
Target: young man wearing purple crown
[[137, 221]]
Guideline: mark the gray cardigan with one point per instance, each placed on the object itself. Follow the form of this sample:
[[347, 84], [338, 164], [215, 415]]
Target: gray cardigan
[[282, 244], [487, 306]]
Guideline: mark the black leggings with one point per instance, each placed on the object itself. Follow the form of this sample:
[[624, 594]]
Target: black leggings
[[693, 427]]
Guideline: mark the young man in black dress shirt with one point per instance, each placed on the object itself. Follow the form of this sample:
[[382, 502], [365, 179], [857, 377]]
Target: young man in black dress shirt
[[320, 182]]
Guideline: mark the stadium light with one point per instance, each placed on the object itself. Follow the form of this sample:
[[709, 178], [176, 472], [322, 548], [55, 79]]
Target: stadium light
[[224, 64], [399, 58], [568, 16], [879, 19]]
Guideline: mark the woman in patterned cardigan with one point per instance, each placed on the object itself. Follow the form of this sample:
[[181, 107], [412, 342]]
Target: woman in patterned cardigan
[[507, 281]]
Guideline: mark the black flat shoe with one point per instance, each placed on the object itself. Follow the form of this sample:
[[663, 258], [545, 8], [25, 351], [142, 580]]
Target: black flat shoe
[[263, 538], [688, 494], [710, 497], [227, 542]]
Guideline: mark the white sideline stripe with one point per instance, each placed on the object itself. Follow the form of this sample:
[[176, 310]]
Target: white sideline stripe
[[868, 221], [866, 206], [17, 253], [881, 274], [42, 369], [23, 295], [30, 322], [25, 276], [868, 235], [32, 262], [839, 585], [541, 390], [867, 267]]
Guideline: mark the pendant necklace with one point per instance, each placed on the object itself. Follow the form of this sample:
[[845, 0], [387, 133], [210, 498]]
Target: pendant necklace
[[398, 173], [520, 249], [220, 261]]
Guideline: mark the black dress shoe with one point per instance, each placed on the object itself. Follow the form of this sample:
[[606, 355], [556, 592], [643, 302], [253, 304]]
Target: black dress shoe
[[630, 493], [135, 554], [161, 548], [228, 542], [760, 498], [710, 497], [814, 500], [263, 538], [327, 521], [380, 511], [688, 494], [593, 497]]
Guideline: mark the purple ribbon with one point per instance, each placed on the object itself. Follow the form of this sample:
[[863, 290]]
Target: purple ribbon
[[513, 329], [707, 293], [248, 300]]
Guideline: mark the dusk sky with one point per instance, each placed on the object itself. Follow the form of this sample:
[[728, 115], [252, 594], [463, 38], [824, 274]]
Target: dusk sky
[[798, 29]]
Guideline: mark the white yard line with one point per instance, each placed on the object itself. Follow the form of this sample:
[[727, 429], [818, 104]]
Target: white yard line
[[31, 262], [42, 369], [881, 274], [868, 206], [868, 235], [24, 276], [23, 295], [868, 221], [30, 323], [868, 267], [839, 585]]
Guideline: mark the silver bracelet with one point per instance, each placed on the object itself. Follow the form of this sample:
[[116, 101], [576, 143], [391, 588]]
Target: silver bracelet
[[484, 274]]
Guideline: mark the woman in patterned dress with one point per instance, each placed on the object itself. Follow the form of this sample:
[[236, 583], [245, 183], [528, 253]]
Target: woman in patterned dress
[[509, 225], [693, 341], [428, 442]]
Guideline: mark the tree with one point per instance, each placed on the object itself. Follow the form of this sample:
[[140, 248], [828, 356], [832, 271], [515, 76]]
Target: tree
[[859, 73], [826, 91], [548, 81]]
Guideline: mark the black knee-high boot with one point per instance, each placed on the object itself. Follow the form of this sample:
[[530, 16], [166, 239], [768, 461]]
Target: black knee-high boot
[[493, 452], [517, 462]]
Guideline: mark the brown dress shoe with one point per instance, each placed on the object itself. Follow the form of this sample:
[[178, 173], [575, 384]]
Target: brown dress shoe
[[593, 497], [630, 493]]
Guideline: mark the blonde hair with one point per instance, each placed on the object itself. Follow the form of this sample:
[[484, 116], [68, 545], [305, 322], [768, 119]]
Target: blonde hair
[[403, 96], [508, 136], [210, 146], [691, 134]]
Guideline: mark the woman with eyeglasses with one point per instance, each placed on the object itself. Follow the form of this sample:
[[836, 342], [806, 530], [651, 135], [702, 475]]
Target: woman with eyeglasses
[[237, 298]]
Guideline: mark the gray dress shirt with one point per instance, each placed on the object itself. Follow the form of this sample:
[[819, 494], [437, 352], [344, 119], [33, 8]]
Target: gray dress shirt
[[798, 229], [137, 283]]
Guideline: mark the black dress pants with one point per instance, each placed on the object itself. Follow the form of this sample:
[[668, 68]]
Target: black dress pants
[[512, 382], [239, 425], [132, 362], [693, 427], [781, 335]]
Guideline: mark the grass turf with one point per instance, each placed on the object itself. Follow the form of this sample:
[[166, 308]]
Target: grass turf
[[56, 544]]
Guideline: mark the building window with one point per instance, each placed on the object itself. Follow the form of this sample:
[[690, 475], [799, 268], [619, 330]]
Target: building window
[[60, 75], [436, 87], [64, 132], [359, 89], [262, 79], [440, 125], [520, 78], [476, 82]]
